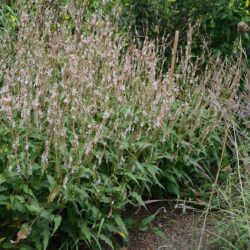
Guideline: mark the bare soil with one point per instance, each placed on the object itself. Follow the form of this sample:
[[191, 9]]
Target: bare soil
[[181, 227]]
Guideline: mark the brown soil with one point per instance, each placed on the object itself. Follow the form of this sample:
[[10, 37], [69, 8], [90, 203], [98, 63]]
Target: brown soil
[[182, 230]]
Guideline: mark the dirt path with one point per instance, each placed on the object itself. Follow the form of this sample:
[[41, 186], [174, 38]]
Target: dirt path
[[182, 230]]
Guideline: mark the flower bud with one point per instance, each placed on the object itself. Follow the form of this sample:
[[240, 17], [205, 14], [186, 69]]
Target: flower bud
[[242, 27]]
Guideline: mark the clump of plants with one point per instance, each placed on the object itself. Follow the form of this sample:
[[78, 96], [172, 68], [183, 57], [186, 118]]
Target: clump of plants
[[231, 209], [90, 124]]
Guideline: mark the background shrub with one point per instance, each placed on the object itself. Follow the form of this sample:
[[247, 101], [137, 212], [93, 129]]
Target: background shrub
[[217, 19]]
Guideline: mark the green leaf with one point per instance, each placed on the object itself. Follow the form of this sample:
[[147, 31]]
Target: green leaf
[[132, 177], [121, 224], [158, 232], [81, 192], [97, 242], [154, 170], [34, 208], [17, 203], [57, 220], [100, 227], [173, 188], [105, 199], [112, 228], [52, 182], [2, 179], [47, 215], [144, 225], [85, 231], [4, 200], [28, 191], [138, 198], [2, 189], [46, 236], [106, 240]]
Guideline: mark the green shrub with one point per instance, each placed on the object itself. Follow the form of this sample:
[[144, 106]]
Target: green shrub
[[154, 18], [217, 20]]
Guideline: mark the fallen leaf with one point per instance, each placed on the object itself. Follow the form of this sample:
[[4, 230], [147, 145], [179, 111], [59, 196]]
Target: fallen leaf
[[22, 234]]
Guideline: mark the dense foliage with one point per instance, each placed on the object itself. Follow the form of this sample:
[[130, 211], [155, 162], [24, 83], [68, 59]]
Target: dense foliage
[[217, 19], [89, 124]]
